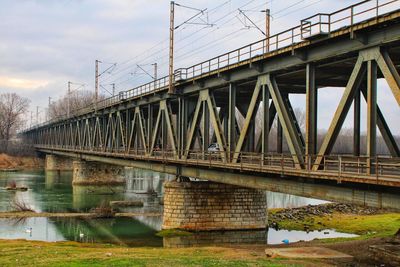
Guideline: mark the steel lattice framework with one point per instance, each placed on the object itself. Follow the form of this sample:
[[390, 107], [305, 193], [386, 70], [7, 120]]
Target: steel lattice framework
[[351, 48]]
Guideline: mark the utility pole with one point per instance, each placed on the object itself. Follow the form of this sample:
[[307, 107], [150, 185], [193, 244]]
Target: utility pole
[[96, 83], [171, 88], [155, 71], [69, 99], [267, 28], [113, 88], [37, 115], [48, 109]]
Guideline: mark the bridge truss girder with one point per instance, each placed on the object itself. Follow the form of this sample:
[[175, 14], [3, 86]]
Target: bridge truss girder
[[172, 125]]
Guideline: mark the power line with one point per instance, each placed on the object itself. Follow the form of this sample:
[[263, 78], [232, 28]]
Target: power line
[[162, 42]]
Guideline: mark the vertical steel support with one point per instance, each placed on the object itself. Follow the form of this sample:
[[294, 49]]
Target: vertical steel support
[[205, 127], [149, 126], [279, 137], [184, 125], [231, 120], [371, 115], [357, 124], [311, 112], [265, 122]]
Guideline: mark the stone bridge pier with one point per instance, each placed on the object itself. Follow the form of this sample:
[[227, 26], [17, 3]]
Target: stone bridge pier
[[58, 163], [97, 173], [204, 206]]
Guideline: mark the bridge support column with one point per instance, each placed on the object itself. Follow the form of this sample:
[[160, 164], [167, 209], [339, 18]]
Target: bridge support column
[[96, 173], [204, 206], [57, 163]]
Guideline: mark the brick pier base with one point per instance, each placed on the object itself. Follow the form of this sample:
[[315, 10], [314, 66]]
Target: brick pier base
[[57, 163], [97, 173], [203, 206]]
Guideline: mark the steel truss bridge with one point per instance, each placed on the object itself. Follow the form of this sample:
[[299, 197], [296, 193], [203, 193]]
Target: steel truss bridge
[[350, 48]]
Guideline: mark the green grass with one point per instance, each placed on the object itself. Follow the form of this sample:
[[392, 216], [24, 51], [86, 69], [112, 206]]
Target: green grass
[[34, 253], [367, 226], [172, 233]]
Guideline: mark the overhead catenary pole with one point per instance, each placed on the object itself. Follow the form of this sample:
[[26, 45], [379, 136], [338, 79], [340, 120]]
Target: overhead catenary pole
[[37, 114], [48, 109], [267, 28], [171, 88], [113, 89], [155, 70], [96, 83], [69, 99]]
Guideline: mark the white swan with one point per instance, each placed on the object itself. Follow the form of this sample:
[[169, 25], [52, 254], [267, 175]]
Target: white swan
[[28, 230], [81, 235]]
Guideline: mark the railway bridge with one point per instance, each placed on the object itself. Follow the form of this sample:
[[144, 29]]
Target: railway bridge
[[217, 123]]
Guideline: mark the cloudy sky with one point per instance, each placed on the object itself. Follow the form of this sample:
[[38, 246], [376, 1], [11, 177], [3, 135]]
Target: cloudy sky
[[46, 43]]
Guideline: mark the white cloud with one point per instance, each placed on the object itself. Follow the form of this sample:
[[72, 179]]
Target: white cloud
[[20, 83]]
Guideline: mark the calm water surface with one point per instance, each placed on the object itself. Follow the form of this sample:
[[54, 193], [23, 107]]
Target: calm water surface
[[53, 192]]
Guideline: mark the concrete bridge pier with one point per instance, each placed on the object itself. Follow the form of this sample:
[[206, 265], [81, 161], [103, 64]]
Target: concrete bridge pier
[[204, 206], [58, 163], [97, 173]]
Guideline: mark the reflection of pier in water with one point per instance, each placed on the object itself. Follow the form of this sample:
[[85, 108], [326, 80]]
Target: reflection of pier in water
[[219, 238]]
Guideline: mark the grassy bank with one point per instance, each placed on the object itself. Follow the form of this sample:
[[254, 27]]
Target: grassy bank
[[367, 226], [30, 253]]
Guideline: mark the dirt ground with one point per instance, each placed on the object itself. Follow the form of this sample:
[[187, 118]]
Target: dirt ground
[[10, 162], [359, 249]]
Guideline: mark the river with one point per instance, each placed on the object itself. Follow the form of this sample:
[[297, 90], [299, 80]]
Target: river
[[53, 192]]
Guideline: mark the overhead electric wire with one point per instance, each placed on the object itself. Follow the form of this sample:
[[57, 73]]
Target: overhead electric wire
[[162, 42], [235, 33]]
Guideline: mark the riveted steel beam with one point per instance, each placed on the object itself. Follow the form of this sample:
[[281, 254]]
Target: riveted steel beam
[[341, 112], [311, 111], [357, 124], [231, 118], [249, 116], [389, 72], [216, 122], [288, 125], [371, 114], [265, 125]]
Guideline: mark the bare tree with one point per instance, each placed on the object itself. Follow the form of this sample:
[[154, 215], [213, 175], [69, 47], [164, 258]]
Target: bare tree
[[77, 100], [12, 108]]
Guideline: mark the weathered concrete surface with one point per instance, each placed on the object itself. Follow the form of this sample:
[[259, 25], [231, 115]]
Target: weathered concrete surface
[[213, 206], [96, 173], [306, 253], [58, 163]]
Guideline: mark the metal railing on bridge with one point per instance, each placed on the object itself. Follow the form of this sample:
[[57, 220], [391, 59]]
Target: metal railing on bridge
[[376, 169]]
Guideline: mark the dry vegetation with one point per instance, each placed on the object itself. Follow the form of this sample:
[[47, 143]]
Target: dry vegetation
[[11, 162]]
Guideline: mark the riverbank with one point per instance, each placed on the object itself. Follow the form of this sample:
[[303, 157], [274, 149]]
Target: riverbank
[[83, 254], [363, 221], [34, 253], [8, 162]]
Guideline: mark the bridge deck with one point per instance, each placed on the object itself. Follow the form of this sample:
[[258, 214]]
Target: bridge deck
[[352, 169]]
